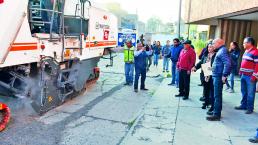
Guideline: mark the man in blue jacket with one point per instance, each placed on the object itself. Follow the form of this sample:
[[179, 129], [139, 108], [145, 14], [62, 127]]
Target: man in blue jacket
[[140, 57], [221, 68], [175, 52]]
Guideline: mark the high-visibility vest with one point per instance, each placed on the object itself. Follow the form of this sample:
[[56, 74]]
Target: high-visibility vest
[[129, 54]]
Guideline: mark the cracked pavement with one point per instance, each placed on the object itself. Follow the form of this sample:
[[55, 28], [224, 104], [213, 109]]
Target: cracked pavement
[[102, 115], [167, 120], [109, 113]]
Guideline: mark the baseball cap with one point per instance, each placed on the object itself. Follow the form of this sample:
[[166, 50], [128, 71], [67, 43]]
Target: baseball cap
[[187, 42]]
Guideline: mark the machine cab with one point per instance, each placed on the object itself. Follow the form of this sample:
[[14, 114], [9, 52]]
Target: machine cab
[[58, 16]]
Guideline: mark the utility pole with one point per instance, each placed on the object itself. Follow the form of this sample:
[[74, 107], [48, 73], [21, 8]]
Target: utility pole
[[179, 18], [188, 20]]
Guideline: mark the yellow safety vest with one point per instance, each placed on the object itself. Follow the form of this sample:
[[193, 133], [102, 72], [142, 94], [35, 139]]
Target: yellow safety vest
[[129, 54]]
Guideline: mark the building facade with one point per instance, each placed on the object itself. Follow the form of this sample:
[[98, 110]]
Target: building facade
[[231, 20]]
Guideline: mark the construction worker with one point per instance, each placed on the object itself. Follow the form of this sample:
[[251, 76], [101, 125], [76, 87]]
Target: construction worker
[[129, 62]]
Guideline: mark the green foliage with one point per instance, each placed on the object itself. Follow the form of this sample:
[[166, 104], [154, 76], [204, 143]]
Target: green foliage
[[199, 45], [130, 124], [116, 9]]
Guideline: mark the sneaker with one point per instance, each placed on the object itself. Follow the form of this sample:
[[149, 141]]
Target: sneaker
[[185, 98], [240, 108], [136, 90], [204, 106], [126, 84], [179, 95], [253, 140], [248, 112], [213, 118], [171, 84], [144, 89]]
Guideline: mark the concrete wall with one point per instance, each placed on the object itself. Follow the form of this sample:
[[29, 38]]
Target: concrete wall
[[205, 9]]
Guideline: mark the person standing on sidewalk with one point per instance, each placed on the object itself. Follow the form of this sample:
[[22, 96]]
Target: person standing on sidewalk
[[234, 54], [149, 59], [203, 52], [153, 45], [174, 53], [129, 62], [185, 64], [208, 89], [249, 74], [156, 49], [165, 54], [140, 66], [221, 68]]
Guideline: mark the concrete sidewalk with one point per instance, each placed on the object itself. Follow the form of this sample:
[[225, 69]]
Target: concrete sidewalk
[[167, 120]]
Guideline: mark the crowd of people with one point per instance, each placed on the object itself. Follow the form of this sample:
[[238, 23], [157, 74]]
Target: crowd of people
[[222, 65]]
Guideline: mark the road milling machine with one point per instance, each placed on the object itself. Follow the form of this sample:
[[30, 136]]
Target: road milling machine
[[49, 49]]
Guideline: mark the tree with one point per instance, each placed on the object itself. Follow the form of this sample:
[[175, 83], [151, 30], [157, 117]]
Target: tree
[[168, 28], [116, 9], [154, 25]]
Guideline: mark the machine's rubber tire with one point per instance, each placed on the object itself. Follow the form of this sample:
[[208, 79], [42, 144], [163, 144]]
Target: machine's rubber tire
[[4, 109]]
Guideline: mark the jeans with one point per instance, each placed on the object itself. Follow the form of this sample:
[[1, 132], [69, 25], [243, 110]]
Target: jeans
[[129, 71], [184, 83], [177, 77], [140, 72], [248, 89], [149, 62], [165, 63], [156, 59], [218, 87], [175, 74], [231, 77], [257, 133]]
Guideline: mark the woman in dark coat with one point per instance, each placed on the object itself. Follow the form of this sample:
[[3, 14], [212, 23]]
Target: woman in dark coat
[[234, 54], [208, 83]]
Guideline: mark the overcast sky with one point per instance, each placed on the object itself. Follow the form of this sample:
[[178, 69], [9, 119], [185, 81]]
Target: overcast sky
[[166, 10]]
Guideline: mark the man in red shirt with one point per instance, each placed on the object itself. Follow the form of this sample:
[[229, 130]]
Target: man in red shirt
[[185, 64], [1, 1], [248, 72]]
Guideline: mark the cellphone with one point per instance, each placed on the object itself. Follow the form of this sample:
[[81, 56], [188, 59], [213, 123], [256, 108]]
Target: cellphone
[[147, 48]]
